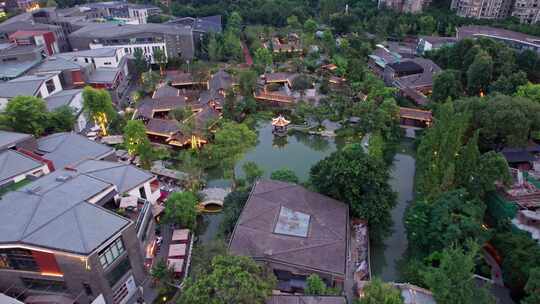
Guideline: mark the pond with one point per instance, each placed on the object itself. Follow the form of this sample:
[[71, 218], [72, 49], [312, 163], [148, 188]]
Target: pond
[[299, 152]]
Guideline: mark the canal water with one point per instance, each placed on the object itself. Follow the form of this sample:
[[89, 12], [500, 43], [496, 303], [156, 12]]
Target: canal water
[[385, 256], [299, 152]]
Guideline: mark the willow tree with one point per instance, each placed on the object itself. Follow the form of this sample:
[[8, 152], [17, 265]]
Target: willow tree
[[97, 103], [134, 136]]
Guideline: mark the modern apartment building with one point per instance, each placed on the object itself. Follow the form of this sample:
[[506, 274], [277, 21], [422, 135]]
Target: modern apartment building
[[515, 40], [404, 6], [528, 11], [482, 9], [175, 41]]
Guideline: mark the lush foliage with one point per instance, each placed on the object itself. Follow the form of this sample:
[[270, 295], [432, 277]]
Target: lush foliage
[[448, 159], [232, 207], [230, 144], [361, 181], [252, 172], [452, 218], [28, 114], [181, 209], [378, 292], [232, 279], [285, 175], [452, 280]]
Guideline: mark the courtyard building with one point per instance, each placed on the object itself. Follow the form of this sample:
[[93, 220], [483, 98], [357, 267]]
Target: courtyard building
[[294, 232]]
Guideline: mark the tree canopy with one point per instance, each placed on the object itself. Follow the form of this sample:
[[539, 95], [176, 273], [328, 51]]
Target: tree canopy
[[452, 280], [135, 136], [378, 292], [181, 209], [453, 218], [285, 175], [232, 279], [26, 114], [361, 181], [98, 105], [230, 144]]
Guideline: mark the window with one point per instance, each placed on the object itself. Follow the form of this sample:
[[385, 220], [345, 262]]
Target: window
[[44, 285], [110, 254], [50, 86], [142, 192], [107, 63], [18, 259], [118, 272]]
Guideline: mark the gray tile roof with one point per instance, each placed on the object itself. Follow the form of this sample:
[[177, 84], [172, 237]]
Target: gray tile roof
[[105, 30], [103, 75], [291, 299], [125, 177], [57, 63], [324, 248], [13, 163], [25, 85], [99, 52], [62, 98], [65, 149], [53, 212], [9, 139]]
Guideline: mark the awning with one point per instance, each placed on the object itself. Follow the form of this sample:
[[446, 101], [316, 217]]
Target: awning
[[176, 264], [180, 235], [129, 201], [177, 250]]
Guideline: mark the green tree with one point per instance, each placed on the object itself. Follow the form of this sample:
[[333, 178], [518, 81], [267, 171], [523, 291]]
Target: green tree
[[161, 59], [231, 142], [328, 41], [427, 25], [203, 254], [530, 91], [181, 209], [140, 63], [62, 119], [480, 73], [533, 287], [453, 218], [496, 117], [315, 286], [51, 3], [234, 23], [252, 171], [293, 23], [453, 282], [246, 82], [232, 207], [98, 105], [149, 81], [351, 176], [134, 136], [285, 175], [214, 48], [508, 84], [378, 292], [26, 114], [447, 84], [164, 275], [232, 279], [310, 26], [263, 57]]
